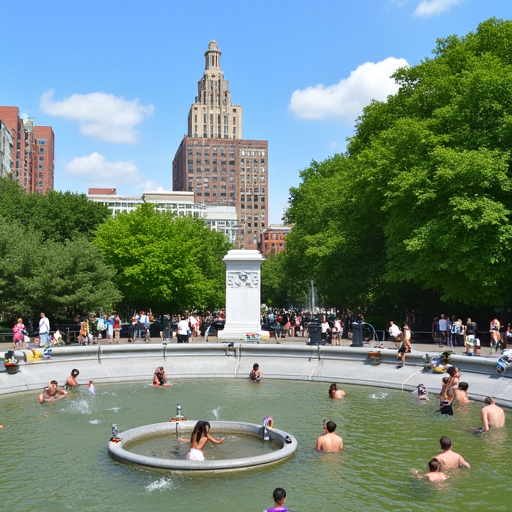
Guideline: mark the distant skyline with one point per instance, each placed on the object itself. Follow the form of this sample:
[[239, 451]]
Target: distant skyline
[[116, 78]]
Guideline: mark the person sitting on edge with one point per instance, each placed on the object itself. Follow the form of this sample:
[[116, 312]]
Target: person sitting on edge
[[329, 441], [279, 496], [255, 374], [434, 472], [448, 458], [394, 332], [71, 380], [460, 393], [492, 415], [334, 392], [198, 438], [159, 377]]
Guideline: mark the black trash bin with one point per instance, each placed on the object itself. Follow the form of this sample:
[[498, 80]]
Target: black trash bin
[[315, 334], [357, 335]]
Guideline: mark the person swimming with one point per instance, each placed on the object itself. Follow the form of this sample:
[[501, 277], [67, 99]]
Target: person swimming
[[200, 435]]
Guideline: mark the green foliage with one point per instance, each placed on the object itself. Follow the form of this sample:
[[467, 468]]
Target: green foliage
[[165, 262], [57, 216], [62, 279], [422, 197]]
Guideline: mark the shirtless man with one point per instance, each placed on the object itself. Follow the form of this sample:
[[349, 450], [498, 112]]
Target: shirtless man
[[434, 472], [329, 441], [336, 393], [448, 458], [492, 415], [52, 393], [460, 393]]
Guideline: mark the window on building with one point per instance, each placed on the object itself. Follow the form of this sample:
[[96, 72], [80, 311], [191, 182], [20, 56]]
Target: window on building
[[42, 142]]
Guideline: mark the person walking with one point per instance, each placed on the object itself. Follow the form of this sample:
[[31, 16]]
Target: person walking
[[44, 331]]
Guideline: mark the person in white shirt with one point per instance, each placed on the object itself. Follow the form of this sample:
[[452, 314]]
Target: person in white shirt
[[44, 330], [183, 330], [444, 328], [395, 332]]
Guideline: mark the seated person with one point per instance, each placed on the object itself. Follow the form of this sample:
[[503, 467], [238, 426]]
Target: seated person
[[159, 377], [71, 380], [255, 374], [336, 393], [52, 392]]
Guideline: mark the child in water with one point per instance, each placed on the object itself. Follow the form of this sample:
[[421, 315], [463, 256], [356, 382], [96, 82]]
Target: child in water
[[200, 435], [279, 496], [159, 378], [255, 374], [434, 472]]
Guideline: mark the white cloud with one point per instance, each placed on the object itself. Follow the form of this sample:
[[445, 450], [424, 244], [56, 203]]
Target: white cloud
[[101, 115], [433, 7], [370, 81], [97, 171]]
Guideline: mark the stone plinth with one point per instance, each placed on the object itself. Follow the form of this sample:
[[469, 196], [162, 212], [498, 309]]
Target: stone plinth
[[243, 293]]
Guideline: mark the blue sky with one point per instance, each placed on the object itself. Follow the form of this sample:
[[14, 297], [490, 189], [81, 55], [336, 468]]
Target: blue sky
[[116, 78]]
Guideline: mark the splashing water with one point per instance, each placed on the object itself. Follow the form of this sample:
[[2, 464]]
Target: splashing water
[[216, 412], [95, 422], [80, 406], [378, 396], [91, 387], [160, 485]]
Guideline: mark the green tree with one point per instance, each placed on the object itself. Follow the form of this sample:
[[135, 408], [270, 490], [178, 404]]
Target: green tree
[[58, 216], [62, 279], [165, 262], [422, 197]]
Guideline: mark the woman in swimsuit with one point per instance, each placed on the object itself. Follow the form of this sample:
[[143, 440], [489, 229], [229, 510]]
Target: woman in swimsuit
[[200, 435]]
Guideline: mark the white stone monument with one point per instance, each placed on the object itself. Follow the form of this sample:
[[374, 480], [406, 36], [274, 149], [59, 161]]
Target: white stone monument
[[243, 294]]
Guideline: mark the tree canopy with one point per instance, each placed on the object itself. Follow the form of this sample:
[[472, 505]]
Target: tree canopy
[[57, 216], [165, 262], [422, 197]]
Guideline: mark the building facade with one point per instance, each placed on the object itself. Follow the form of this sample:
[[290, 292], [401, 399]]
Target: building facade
[[219, 218], [273, 239], [215, 163], [6, 146], [33, 151]]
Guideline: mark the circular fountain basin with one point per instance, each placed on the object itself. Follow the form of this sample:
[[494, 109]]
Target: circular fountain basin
[[121, 451]]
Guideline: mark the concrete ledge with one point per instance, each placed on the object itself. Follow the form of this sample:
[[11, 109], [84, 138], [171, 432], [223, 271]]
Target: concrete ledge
[[117, 449], [350, 365]]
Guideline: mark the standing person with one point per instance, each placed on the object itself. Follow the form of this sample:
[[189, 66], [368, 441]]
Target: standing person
[[443, 330], [109, 324], [448, 458], [494, 328], [117, 328], [279, 496], [84, 332], [18, 334], [183, 330], [405, 347], [44, 330], [492, 415], [200, 435], [132, 328], [144, 321], [192, 320], [472, 343], [326, 330], [329, 441], [101, 327]]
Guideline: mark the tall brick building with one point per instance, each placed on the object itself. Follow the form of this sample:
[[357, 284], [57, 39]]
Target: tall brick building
[[215, 163], [32, 151]]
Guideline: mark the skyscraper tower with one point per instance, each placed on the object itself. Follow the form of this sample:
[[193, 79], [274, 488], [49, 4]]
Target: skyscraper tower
[[215, 163], [212, 115]]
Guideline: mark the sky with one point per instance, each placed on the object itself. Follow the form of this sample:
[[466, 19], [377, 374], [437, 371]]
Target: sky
[[116, 78]]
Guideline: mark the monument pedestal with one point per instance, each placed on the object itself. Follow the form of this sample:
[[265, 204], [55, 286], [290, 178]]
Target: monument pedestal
[[243, 296]]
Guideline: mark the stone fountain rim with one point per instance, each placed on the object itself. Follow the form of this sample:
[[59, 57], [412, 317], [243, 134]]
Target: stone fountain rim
[[117, 450]]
